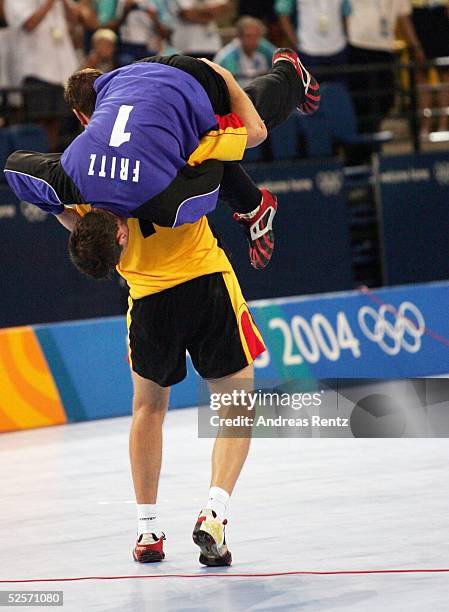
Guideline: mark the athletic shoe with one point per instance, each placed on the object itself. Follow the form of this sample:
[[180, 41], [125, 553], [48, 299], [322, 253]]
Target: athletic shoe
[[259, 230], [311, 86], [149, 548], [209, 535]]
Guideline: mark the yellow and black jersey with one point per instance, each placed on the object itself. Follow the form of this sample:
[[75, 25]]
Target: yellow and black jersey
[[158, 258]]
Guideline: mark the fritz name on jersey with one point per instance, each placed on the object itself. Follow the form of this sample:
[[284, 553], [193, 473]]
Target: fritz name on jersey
[[121, 168]]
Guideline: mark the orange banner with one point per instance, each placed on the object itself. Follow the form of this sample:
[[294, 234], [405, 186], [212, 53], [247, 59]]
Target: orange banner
[[28, 395]]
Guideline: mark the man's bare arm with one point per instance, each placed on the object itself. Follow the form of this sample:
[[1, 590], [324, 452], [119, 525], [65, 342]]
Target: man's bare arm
[[34, 20], [68, 218], [408, 29], [287, 27], [242, 106]]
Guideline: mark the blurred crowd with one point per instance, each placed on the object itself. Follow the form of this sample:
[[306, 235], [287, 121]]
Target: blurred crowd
[[43, 41]]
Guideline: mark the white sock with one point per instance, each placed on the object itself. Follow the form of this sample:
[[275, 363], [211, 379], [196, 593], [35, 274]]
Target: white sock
[[147, 519], [218, 502]]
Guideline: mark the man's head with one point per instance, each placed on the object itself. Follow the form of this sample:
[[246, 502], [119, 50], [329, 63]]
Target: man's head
[[97, 243], [80, 94], [250, 30], [104, 43]]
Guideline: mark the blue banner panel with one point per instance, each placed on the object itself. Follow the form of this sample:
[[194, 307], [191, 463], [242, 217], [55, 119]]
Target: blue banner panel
[[414, 192], [389, 334], [313, 247], [39, 283], [89, 363]]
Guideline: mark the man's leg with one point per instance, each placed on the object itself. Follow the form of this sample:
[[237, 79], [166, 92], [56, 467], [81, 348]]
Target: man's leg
[[145, 448], [288, 86], [254, 209], [223, 350], [230, 453], [228, 458]]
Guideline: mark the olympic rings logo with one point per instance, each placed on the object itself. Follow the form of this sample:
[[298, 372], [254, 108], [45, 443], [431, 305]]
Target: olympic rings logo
[[394, 329]]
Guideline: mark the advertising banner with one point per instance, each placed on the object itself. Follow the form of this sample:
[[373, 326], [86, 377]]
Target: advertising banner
[[390, 333], [79, 371]]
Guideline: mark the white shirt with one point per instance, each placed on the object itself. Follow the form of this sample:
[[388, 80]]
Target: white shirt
[[46, 53], [7, 76], [191, 37], [372, 24], [320, 26], [138, 28]]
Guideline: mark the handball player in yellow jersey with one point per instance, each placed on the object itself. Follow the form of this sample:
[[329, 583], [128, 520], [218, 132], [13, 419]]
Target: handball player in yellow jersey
[[184, 296]]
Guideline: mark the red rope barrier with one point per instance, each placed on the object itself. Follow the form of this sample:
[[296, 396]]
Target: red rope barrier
[[236, 575]]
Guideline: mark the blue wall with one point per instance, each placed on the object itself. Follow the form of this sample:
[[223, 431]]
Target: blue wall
[[414, 194], [313, 247]]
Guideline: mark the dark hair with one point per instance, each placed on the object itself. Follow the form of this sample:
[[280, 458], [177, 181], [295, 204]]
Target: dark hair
[[79, 92], [93, 245]]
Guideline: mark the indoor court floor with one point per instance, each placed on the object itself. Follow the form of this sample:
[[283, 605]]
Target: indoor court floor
[[301, 505]]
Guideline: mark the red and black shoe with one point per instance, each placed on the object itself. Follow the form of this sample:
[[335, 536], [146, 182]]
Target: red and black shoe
[[149, 548], [259, 230], [311, 86], [209, 535]]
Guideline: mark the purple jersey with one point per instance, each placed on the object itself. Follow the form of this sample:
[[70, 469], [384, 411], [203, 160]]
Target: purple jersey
[[148, 120], [132, 157]]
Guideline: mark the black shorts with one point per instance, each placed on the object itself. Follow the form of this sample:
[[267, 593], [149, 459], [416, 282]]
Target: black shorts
[[207, 316]]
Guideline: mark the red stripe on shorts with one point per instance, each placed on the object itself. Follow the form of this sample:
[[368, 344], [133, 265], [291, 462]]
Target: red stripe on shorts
[[255, 346]]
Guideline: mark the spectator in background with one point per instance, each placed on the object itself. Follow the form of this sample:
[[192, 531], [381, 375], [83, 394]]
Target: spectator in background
[[320, 35], [195, 30], [263, 10], [105, 10], [372, 29], [103, 53], [44, 56], [250, 54], [6, 48], [88, 23], [89, 20], [431, 21], [140, 25], [97, 13]]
